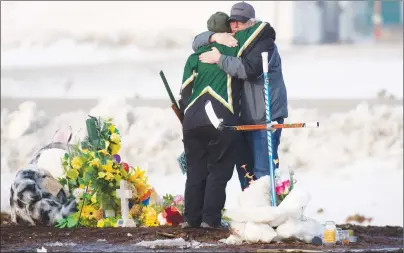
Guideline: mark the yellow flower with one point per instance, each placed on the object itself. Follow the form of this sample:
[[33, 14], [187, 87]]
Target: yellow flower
[[115, 148], [141, 188], [101, 174], [109, 176], [106, 144], [82, 186], [95, 162], [108, 166], [149, 217], [111, 128], [77, 163], [72, 173], [85, 151], [103, 151], [94, 198], [92, 154], [100, 223], [139, 174], [115, 138], [132, 178], [89, 212]]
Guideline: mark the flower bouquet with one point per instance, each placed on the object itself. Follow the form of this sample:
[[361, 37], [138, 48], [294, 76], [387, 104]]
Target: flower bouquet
[[283, 187], [93, 171], [171, 211]]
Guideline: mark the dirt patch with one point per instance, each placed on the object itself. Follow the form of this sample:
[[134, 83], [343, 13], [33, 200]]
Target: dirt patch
[[25, 239], [5, 218]]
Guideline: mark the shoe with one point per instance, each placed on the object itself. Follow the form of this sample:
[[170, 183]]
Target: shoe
[[225, 224], [185, 225], [206, 226]]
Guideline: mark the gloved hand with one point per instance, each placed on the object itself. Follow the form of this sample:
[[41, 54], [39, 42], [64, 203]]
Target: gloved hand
[[269, 126]]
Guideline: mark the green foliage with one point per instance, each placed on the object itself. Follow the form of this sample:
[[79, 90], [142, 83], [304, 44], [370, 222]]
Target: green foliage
[[69, 222], [168, 199]]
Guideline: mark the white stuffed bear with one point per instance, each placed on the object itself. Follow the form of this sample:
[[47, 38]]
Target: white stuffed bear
[[49, 157]]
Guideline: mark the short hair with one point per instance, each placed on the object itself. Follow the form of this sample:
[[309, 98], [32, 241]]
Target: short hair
[[219, 22], [251, 22]]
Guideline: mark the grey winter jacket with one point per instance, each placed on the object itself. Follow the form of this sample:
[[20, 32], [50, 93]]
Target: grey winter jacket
[[250, 70]]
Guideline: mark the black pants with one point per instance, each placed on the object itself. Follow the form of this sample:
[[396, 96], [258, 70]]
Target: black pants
[[210, 162]]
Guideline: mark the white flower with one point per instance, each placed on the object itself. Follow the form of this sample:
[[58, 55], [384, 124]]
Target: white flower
[[78, 193], [161, 219]]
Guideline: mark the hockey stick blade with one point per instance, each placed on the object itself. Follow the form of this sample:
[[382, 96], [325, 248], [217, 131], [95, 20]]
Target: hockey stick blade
[[212, 115], [219, 125]]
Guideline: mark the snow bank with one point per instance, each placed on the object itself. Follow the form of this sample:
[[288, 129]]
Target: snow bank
[[337, 163], [152, 136], [365, 132]]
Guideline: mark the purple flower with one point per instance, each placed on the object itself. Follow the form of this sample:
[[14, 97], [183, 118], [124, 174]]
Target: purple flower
[[117, 158]]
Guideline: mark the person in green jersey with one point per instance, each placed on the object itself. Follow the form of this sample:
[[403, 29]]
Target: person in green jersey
[[211, 154]]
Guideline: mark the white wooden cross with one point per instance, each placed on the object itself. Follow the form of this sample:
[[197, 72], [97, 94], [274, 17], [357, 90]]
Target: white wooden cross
[[124, 195]]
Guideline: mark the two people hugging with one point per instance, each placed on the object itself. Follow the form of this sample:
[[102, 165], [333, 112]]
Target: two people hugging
[[226, 69]]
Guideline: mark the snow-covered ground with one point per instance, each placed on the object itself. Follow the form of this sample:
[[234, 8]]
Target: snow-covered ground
[[351, 164]]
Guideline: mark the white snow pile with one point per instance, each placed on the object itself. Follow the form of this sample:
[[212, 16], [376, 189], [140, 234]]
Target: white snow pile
[[152, 137], [178, 242], [60, 244], [254, 219]]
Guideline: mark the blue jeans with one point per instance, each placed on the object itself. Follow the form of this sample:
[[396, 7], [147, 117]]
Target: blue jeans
[[258, 140], [244, 159]]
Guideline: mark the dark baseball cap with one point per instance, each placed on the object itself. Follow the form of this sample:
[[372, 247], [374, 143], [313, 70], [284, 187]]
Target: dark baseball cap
[[219, 23], [242, 12]]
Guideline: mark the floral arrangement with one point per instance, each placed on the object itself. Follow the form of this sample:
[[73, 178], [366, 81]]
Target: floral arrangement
[[93, 171], [168, 213], [282, 188]]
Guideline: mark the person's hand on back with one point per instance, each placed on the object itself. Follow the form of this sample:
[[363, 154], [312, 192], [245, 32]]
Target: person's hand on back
[[210, 57], [225, 39]]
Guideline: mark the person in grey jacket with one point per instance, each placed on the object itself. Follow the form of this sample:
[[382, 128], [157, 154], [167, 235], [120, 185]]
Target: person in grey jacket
[[249, 68]]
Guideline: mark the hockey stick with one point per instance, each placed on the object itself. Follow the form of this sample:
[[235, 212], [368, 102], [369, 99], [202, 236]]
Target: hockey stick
[[174, 104], [269, 133], [220, 126]]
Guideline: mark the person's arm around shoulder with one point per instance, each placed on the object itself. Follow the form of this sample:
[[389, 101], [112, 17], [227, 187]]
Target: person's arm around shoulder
[[201, 40], [248, 66], [233, 66]]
